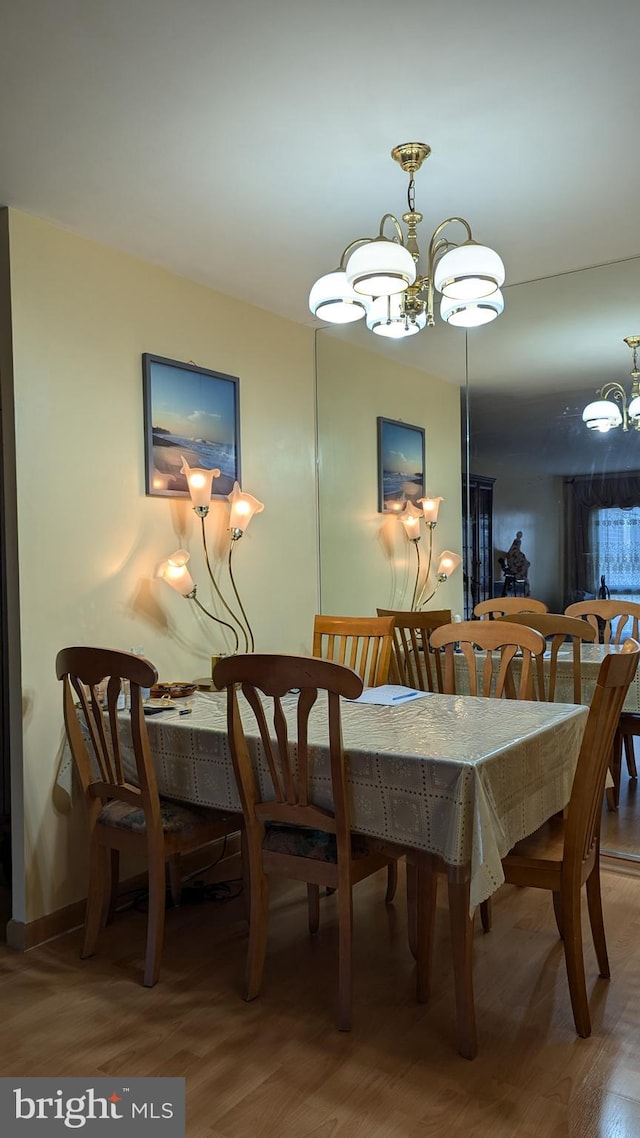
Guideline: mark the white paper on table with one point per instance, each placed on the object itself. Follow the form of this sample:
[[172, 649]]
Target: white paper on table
[[389, 695]]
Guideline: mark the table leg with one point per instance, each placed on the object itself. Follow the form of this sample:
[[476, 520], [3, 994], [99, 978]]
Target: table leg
[[461, 925]]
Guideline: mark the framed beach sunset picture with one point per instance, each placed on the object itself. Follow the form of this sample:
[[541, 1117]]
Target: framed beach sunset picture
[[192, 413], [400, 465]]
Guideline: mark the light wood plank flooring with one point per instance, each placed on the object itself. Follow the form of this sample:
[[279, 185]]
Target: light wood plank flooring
[[278, 1068]]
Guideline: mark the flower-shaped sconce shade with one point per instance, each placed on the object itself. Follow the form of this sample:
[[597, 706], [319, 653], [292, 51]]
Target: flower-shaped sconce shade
[[448, 563], [430, 507], [410, 518], [174, 571], [243, 507], [199, 482]]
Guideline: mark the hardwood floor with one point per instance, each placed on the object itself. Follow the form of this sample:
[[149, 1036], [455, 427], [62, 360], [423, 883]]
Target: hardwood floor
[[278, 1068], [621, 828]]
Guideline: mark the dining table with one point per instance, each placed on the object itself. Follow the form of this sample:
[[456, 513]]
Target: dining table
[[459, 777]]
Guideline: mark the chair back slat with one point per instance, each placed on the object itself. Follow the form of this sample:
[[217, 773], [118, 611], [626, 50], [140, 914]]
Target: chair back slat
[[557, 629], [496, 678], [265, 679], [363, 644], [94, 727], [505, 606], [609, 619], [584, 812], [414, 664]]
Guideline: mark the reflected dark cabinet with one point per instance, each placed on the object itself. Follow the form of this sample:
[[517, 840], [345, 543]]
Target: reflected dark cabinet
[[477, 541]]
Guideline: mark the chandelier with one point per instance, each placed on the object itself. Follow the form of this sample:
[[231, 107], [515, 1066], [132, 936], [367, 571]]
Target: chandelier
[[604, 413], [379, 278]]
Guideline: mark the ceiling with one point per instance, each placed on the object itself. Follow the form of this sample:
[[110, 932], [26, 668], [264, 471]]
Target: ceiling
[[244, 144]]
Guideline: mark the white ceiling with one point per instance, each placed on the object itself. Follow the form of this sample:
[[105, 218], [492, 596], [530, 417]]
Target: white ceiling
[[243, 144]]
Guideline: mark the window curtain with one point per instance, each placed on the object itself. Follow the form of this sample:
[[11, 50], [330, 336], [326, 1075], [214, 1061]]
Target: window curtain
[[581, 496]]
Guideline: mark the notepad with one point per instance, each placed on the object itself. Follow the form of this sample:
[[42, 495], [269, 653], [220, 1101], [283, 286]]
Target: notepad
[[391, 695]]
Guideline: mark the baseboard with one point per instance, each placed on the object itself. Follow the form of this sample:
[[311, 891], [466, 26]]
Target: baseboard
[[23, 935]]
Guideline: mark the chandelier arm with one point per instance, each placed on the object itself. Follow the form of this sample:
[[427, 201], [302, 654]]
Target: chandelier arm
[[193, 597], [398, 228], [233, 583], [618, 393], [426, 576], [414, 602], [215, 584]]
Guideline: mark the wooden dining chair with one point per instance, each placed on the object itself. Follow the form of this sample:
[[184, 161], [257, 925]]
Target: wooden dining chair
[[557, 630], [488, 649], [363, 643], [414, 664], [126, 813], [564, 854], [285, 833], [610, 619], [613, 620], [505, 606]]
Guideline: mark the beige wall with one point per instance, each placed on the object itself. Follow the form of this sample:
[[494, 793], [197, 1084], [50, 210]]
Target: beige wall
[[366, 559], [89, 538]]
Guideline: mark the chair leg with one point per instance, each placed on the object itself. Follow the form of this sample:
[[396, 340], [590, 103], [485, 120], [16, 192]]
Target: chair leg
[[313, 905], [574, 960], [486, 915], [596, 920], [412, 902], [345, 952], [462, 951], [392, 881], [97, 893], [175, 880], [113, 889], [630, 756], [155, 919], [258, 926]]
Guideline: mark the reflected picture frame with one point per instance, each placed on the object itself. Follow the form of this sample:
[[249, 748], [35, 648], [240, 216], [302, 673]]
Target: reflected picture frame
[[401, 464], [193, 413]]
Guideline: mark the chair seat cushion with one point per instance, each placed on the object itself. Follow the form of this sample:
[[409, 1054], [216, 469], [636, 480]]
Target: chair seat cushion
[[302, 841], [177, 817]]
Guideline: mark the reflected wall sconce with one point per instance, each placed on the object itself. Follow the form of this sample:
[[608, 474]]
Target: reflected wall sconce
[[379, 278], [175, 572], [604, 413], [411, 517]]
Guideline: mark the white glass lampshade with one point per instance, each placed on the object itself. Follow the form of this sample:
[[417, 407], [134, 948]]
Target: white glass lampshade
[[430, 508], [469, 272], [472, 313], [410, 518], [602, 415], [448, 563], [385, 319], [380, 268], [243, 507], [634, 408], [199, 482], [333, 299], [174, 571]]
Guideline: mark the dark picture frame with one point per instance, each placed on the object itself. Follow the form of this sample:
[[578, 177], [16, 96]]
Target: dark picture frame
[[193, 412], [401, 464]]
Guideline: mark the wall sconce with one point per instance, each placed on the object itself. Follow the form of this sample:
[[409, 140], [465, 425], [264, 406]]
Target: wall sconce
[[411, 518], [174, 570]]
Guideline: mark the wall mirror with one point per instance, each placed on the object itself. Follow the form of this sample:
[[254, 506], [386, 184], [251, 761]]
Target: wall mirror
[[531, 373], [525, 380]]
